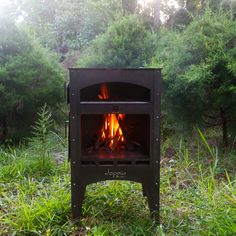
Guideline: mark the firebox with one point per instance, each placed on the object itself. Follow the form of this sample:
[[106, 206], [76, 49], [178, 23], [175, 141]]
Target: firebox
[[114, 125]]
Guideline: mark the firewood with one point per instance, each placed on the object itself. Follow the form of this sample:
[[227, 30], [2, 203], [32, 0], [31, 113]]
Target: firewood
[[125, 133], [115, 141], [97, 144], [137, 144]]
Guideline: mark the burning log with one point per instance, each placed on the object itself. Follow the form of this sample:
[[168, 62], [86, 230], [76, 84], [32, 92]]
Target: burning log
[[115, 141], [125, 133]]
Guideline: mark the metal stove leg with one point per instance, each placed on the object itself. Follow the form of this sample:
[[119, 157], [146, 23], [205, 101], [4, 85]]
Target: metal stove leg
[[78, 193], [153, 201], [152, 193]]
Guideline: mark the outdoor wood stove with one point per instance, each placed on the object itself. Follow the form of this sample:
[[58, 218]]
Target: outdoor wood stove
[[114, 126]]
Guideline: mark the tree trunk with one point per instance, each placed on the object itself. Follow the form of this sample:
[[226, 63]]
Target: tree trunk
[[4, 128], [203, 5], [129, 5], [224, 127], [157, 14], [192, 6]]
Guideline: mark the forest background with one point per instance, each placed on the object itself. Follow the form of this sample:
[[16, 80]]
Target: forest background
[[193, 41]]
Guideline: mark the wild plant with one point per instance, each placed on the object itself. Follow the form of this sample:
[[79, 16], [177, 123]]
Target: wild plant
[[41, 130]]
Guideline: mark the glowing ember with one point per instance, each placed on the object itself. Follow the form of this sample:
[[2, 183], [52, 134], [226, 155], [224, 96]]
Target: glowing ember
[[111, 132]]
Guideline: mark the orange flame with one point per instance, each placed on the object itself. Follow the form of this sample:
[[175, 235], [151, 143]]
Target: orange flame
[[111, 131]]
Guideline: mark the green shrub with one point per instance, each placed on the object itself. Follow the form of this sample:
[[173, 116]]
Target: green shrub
[[199, 72], [125, 44], [29, 76]]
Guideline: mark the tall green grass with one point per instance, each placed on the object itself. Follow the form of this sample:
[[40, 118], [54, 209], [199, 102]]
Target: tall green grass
[[198, 194]]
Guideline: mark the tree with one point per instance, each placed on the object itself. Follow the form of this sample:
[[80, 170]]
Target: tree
[[125, 44], [63, 25], [157, 13], [179, 19], [97, 16], [129, 5], [199, 66], [29, 77], [184, 15]]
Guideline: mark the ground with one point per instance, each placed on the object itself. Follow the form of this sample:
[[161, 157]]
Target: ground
[[198, 194]]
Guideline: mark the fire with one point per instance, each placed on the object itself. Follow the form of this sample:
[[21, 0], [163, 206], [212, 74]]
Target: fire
[[111, 132]]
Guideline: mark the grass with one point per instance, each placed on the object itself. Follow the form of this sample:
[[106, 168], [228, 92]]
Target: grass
[[198, 194]]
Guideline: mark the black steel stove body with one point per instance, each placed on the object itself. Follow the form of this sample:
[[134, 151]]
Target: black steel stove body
[[134, 93]]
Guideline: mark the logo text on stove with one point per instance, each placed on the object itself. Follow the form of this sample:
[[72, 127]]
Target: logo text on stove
[[115, 174]]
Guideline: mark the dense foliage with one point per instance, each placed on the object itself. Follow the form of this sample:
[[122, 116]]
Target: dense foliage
[[126, 43], [65, 25], [199, 71], [29, 77]]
